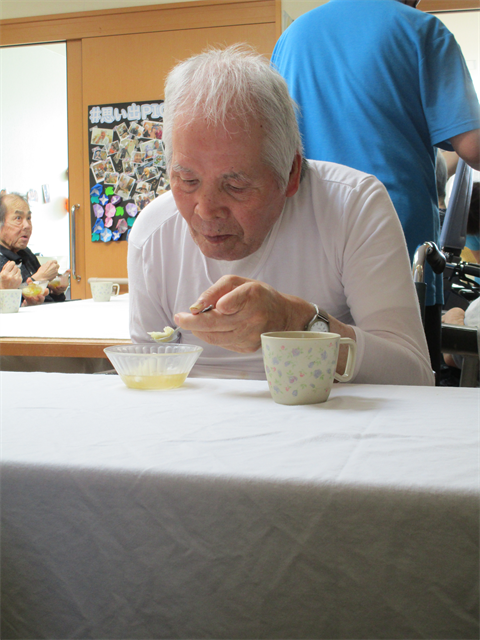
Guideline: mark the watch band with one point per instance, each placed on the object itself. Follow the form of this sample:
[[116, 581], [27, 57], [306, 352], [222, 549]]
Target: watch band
[[321, 316]]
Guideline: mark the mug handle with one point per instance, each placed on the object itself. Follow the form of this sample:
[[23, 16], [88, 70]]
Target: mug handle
[[352, 355], [115, 289]]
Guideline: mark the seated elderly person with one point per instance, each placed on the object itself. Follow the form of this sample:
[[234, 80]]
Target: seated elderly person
[[17, 262], [272, 241]]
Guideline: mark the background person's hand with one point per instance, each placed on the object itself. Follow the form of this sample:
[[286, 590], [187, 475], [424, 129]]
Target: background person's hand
[[455, 315], [243, 310], [32, 300], [60, 284], [10, 276], [48, 271]]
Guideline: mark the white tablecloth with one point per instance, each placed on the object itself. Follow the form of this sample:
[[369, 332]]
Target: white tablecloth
[[211, 512], [70, 319]]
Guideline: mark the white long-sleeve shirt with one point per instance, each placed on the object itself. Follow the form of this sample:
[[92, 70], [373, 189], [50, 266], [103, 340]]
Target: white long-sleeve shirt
[[338, 243]]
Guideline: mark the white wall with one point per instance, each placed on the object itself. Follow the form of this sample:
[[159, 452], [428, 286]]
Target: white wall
[[33, 130], [296, 8], [465, 26]]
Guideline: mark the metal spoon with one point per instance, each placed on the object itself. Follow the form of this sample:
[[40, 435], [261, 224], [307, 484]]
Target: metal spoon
[[175, 335], [159, 336]]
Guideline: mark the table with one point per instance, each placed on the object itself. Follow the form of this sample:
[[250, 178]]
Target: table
[[45, 336], [209, 511]]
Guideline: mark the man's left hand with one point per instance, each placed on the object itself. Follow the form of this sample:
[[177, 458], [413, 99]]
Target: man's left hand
[[34, 300], [243, 310], [60, 284]]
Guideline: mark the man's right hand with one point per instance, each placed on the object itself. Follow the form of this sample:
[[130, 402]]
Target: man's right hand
[[244, 309], [10, 276], [48, 271]]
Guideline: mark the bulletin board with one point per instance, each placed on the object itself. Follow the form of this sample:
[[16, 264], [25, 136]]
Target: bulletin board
[[127, 165]]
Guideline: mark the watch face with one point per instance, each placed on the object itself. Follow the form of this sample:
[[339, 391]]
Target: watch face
[[320, 325]]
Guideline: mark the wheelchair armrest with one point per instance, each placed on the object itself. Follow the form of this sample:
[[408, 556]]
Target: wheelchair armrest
[[460, 340]]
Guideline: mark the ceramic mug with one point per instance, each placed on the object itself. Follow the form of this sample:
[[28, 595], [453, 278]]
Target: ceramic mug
[[301, 365], [103, 291], [10, 300]]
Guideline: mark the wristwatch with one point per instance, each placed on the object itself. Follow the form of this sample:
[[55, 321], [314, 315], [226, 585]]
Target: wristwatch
[[319, 322]]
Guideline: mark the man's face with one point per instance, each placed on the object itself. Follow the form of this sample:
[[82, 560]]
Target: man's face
[[228, 197], [16, 231]]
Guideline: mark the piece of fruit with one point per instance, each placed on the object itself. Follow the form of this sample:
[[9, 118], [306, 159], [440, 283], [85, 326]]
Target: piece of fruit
[[32, 290]]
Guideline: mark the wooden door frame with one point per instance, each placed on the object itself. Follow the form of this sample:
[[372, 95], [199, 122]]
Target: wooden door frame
[[127, 20], [437, 6], [76, 177]]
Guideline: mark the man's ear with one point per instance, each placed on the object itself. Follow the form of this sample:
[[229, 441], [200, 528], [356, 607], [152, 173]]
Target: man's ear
[[294, 177]]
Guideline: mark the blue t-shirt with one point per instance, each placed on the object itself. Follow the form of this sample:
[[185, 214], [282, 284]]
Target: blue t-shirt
[[379, 84]]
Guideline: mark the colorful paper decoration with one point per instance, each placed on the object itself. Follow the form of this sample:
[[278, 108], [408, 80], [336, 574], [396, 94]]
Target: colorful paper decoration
[[110, 210], [122, 225], [98, 210], [106, 235], [99, 226], [131, 209]]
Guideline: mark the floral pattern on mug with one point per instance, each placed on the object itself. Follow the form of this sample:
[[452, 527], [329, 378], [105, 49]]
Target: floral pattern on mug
[[293, 369]]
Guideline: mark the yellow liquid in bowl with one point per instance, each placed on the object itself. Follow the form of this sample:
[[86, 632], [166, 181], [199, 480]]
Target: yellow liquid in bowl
[[155, 382], [32, 290]]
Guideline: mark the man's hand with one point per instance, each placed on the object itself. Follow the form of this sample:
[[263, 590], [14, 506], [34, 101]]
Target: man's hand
[[31, 301], [48, 271], [60, 283], [243, 310], [10, 276], [34, 300], [455, 315]]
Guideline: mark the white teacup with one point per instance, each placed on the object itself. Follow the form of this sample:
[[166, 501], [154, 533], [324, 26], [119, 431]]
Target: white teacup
[[10, 300], [103, 291], [301, 365]]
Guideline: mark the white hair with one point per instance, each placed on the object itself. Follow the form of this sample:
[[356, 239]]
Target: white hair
[[235, 82]]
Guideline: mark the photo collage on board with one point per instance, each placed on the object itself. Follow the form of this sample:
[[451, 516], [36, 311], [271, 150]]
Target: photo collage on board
[[127, 165]]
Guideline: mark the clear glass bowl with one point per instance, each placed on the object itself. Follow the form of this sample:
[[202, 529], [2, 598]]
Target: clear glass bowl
[[153, 366], [62, 280], [32, 289]]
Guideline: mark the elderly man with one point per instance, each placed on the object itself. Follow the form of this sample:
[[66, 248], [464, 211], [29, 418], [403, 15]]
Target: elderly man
[[17, 262], [273, 242]]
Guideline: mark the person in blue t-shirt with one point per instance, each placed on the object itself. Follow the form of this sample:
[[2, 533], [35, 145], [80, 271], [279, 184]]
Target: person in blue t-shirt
[[379, 85]]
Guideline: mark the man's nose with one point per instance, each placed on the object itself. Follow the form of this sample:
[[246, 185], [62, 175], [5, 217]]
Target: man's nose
[[210, 204]]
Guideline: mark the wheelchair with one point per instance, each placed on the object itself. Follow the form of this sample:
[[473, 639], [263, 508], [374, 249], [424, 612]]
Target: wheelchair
[[459, 287]]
